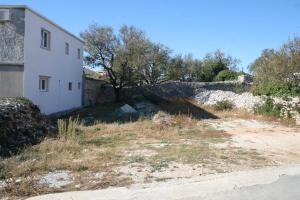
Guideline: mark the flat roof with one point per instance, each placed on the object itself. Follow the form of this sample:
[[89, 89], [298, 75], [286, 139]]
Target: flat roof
[[41, 16]]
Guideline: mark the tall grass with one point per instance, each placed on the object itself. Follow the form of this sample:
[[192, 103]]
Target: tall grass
[[69, 129]]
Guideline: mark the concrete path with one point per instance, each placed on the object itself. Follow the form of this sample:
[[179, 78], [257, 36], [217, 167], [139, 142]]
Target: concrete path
[[263, 184]]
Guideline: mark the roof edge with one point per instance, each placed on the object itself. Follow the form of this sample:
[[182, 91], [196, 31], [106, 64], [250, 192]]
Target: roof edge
[[43, 17]]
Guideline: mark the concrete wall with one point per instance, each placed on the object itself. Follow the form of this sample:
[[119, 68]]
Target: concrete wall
[[54, 63], [12, 38], [11, 81]]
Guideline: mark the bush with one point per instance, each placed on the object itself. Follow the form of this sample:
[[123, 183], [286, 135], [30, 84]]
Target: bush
[[223, 105], [28, 103], [268, 108], [276, 88], [226, 75], [69, 129]]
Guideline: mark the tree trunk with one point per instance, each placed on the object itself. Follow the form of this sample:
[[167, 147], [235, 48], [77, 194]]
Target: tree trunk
[[117, 94]]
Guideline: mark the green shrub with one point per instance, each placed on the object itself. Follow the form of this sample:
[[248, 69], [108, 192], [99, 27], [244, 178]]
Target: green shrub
[[226, 75], [28, 103], [268, 108], [276, 88], [223, 105], [69, 129]]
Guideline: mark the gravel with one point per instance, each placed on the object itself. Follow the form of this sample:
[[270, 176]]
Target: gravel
[[56, 179], [243, 101]]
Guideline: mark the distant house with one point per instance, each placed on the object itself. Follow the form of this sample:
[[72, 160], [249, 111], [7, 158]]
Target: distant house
[[39, 60]]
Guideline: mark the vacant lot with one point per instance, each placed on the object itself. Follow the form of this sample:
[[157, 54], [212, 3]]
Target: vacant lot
[[181, 141]]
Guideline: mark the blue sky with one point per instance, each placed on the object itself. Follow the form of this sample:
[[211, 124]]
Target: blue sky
[[239, 28]]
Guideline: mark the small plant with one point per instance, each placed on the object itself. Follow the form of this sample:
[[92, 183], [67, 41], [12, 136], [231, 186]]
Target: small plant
[[69, 129], [3, 172], [159, 166], [28, 103], [136, 159], [269, 108], [223, 105]]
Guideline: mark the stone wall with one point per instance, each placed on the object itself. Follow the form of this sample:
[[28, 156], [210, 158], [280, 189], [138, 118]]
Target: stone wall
[[12, 38], [182, 89], [96, 92]]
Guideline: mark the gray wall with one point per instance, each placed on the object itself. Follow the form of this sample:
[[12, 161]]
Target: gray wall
[[11, 81], [12, 38], [96, 91]]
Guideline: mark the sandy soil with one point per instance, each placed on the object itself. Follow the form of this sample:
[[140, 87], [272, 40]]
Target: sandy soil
[[277, 142]]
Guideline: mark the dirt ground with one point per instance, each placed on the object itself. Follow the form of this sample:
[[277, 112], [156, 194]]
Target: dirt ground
[[276, 142], [147, 151]]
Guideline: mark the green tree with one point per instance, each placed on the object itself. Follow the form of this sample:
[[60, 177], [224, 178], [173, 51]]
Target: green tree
[[226, 75], [156, 62], [176, 69], [120, 55], [215, 62], [274, 69]]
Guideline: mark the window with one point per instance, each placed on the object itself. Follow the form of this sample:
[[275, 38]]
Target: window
[[70, 86], [67, 48], [44, 83], [78, 53], [79, 85], [45, 39]]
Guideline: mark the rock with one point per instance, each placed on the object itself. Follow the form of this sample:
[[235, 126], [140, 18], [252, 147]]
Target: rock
[[243, 101], [245, 79], [55, 179], [128, 109]]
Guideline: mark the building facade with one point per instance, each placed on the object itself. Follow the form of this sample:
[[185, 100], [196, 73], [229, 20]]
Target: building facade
[[39, 60]]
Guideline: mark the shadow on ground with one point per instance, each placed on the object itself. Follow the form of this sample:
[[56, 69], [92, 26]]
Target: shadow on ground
[[107, 112]]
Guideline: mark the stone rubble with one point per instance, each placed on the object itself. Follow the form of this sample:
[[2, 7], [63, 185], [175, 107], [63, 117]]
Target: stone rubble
[[248, 101], [21, 124], [242, 101]]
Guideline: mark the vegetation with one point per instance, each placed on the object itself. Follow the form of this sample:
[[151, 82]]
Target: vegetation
[[131, 59], [269, 108], [28, 103], [226, 75], [69, 129], [223, 105], [108, 147], [277, 72]]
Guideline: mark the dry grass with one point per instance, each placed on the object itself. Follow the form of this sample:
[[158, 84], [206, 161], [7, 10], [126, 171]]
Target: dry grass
[[244, 114], [102, 148]]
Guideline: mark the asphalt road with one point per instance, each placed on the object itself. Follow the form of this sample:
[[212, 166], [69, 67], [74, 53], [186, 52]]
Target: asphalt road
[[285, 188]]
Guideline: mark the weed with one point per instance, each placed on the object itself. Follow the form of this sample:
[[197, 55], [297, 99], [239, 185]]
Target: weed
[[269, 108], [69, 129], [223, 105], [136, 159], [159, 165]]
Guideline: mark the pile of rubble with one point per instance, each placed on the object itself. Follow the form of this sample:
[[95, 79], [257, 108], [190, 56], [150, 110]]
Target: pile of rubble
[[243, 101], [246, 100], [21, 123]]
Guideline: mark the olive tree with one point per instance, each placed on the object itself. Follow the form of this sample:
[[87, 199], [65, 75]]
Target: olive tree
[[120, 55]]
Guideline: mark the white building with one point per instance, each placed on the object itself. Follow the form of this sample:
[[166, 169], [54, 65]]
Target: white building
[[39, 60]]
